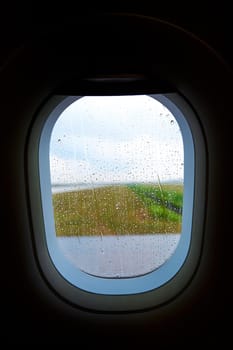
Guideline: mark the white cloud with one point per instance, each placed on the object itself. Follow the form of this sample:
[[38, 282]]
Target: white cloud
[[120, 143]]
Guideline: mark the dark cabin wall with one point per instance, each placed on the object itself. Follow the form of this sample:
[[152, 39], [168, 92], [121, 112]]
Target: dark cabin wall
[[31, 312]]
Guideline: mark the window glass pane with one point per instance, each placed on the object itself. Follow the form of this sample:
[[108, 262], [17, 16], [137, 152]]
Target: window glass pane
[[117, 169]]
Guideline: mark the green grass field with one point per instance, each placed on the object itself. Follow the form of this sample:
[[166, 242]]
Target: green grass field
[[119, 210]]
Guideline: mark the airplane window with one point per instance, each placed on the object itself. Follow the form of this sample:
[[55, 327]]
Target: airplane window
[[116, 187], [117, 178]]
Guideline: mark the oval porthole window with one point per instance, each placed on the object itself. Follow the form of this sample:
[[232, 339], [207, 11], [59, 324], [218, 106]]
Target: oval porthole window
[[117, 181], [117, 176], [120, 172]]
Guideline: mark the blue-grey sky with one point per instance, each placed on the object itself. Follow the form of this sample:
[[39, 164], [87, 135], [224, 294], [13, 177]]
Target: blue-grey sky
[[113, 139]]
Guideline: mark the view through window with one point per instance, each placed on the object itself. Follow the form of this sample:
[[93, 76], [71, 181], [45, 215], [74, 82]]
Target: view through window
[[117, 171]]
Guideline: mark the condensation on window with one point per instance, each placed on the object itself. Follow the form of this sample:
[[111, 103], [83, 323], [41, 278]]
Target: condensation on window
[[117, 170]]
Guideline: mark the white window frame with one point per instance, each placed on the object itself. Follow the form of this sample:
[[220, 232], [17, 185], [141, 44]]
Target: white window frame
[[117, 294]]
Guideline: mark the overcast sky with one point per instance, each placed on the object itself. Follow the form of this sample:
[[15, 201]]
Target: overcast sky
[[116, 139]]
